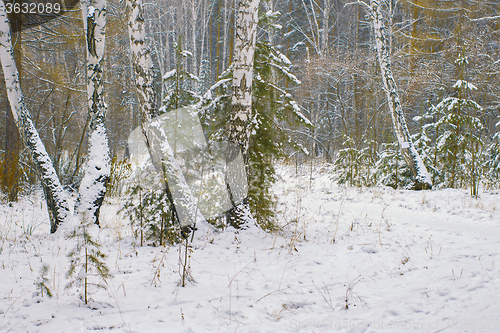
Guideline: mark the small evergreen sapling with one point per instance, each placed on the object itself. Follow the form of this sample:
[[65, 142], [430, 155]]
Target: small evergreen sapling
[[87, 269], [181, 85], [459, 146], [42, 283], [151, 213], [492, 164], [430, 130], [353, 165], [391, 168]]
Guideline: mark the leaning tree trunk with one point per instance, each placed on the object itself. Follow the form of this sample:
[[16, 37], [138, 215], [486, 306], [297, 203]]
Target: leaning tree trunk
[[239, 130], [93, 186], [56, 197], [410, 154], [183, 198]]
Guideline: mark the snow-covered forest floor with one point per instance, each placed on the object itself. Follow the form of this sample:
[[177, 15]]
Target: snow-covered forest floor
[[349, 259]]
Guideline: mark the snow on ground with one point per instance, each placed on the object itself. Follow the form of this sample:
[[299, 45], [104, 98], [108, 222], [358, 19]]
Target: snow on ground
[[348, 259]]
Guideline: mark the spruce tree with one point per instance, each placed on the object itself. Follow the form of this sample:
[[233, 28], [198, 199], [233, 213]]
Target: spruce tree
[[181, 85], [42, 283], [354, 166], [274, 112], [391, 169], [459, 144], [87, 270], [430, 129], [492, 164], [151, 212]]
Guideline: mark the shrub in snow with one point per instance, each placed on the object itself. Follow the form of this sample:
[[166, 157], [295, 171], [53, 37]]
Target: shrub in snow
[[353, 165], [87, 270], [391, 168], [492, 164], [42, 283], [151, 213], [457, 130]]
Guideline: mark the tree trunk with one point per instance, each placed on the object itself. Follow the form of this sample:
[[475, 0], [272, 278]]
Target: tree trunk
[[12, 138], [241, 103], [326, 26], [93, 186], [244, 49], [410, 154], [56, 197]]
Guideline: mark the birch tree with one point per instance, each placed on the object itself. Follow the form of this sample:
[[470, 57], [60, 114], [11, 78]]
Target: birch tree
[[93, 186], [422, 178], [152, 129], [56, 197], [243, 68], [240, 124], [11, 162]]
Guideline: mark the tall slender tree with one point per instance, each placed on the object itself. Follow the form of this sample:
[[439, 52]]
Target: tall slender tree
[[241, 102], [93, 186], [422, 178], [12, 139]]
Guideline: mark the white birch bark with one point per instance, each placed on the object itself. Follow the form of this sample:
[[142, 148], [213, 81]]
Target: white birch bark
[[152, 130], [241, 103], [204, 22], [410, 154], [142, 61], [56, 197], [194, 49], [225, 34], [93, 186], [325, 26], [243, 58]]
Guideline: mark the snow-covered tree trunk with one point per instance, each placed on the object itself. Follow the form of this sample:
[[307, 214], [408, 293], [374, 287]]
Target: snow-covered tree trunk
[[243, 58], [93, 186], [410, 154], [56, 197], [153, 132], [142, 61], [240, 124]]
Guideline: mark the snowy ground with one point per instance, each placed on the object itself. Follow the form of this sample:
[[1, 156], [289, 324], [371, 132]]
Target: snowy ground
[[352, 260]]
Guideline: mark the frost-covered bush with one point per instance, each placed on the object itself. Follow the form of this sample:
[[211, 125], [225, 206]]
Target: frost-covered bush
[[151, 212], [391, 168], [354, 166], [42, 283]]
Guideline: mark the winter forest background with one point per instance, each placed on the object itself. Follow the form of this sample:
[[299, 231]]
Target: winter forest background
[[319, 100], [331, 49]]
